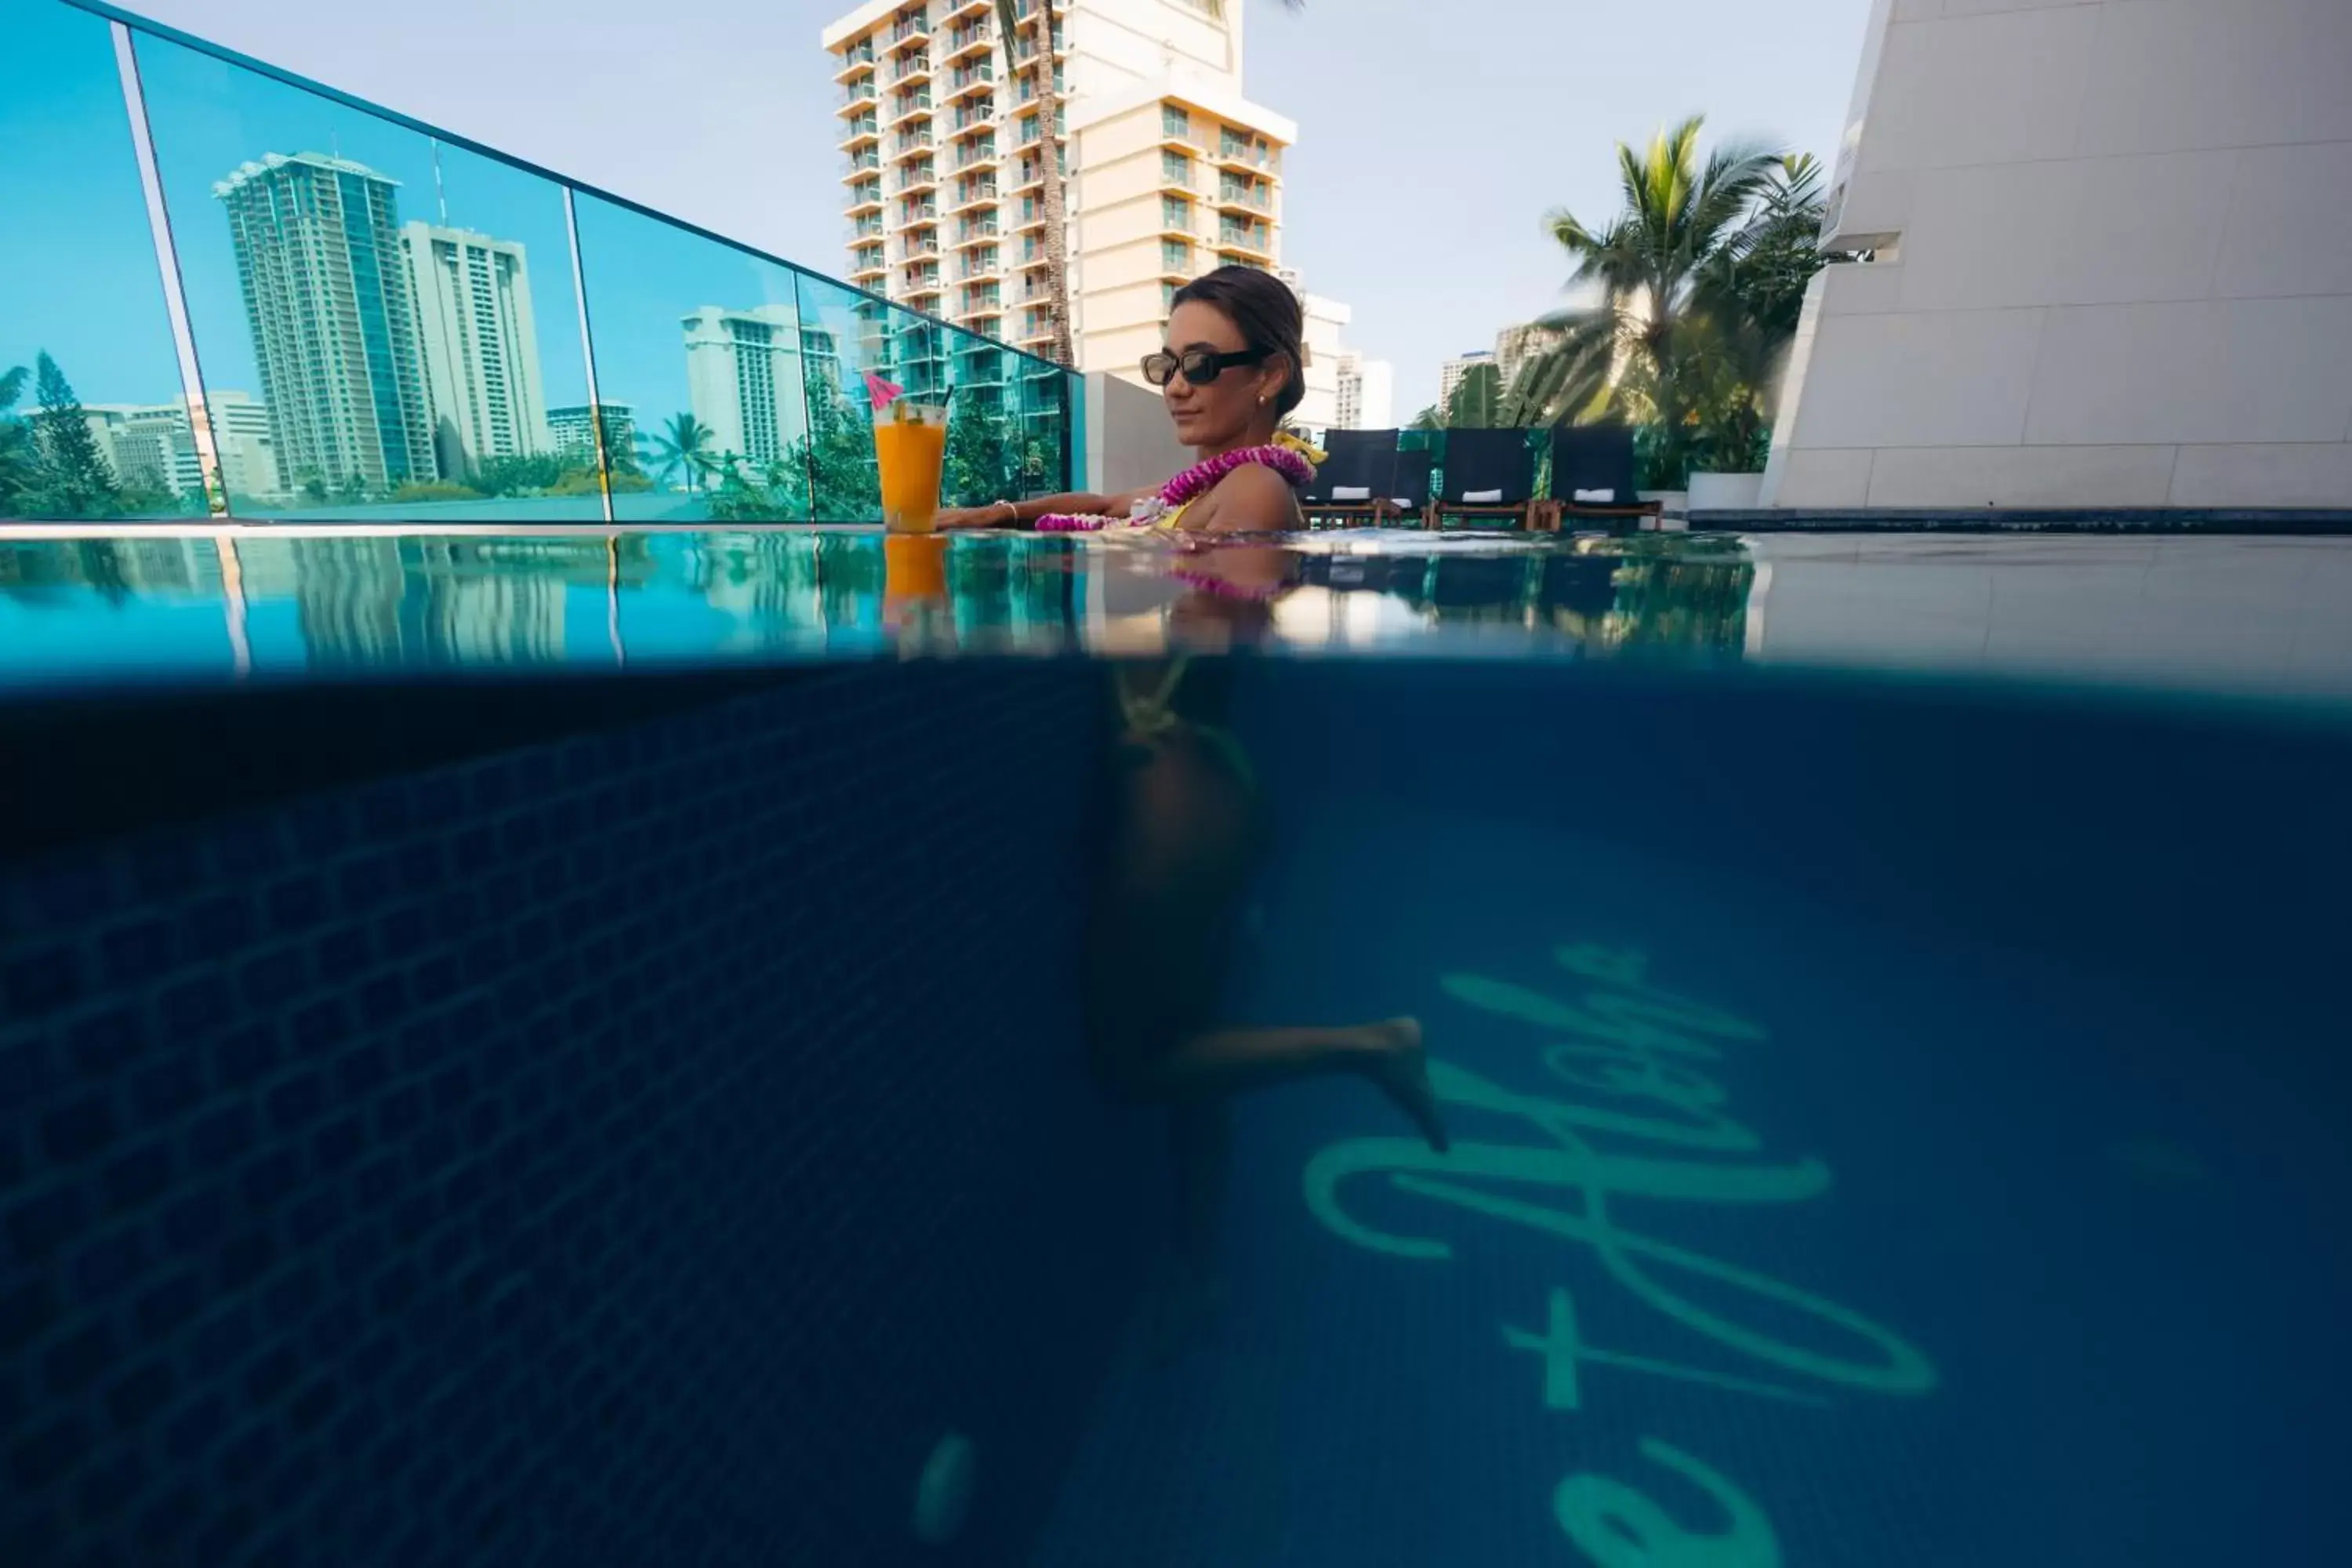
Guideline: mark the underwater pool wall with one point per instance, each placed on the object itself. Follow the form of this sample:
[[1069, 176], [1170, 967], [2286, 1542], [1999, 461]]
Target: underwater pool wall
[[643, 1145]]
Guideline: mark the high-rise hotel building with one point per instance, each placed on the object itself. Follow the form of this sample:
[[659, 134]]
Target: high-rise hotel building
[[328, 299], [1170, 170]]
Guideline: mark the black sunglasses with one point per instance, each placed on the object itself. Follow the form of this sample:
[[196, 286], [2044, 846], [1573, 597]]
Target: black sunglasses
[[1201, 367]]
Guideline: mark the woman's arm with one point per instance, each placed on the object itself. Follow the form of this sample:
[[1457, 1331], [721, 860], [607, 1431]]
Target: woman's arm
[[1018, 514]]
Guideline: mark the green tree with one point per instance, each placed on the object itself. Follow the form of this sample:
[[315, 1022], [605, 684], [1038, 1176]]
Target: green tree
[[682, 446], [986, 458], [1651, 338], [19, 460], [837, 454], [775, 491], [74, 477], [515, 476]]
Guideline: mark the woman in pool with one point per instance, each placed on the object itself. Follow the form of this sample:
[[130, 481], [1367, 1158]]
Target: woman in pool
[[1186, 826], [1230, 372]]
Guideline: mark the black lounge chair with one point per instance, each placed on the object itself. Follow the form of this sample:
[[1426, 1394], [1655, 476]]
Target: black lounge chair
[[1593, 477], [1355, 477], [1408, 496], [1488, 473]]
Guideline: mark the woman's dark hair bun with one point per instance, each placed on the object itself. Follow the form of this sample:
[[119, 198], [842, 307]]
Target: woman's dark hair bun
[[1268, 313]]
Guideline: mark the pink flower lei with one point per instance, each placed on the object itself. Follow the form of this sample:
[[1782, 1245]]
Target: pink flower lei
[[1191, 485]]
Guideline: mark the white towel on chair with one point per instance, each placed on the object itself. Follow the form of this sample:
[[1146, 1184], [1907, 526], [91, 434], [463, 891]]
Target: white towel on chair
[[1482, 498], [1351, 492], [1595, 498]]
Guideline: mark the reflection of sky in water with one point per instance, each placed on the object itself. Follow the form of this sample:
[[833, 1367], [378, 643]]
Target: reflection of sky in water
[[136, 638]]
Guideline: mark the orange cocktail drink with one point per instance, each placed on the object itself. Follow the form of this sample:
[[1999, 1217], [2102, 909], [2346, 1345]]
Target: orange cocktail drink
[[910, 440]]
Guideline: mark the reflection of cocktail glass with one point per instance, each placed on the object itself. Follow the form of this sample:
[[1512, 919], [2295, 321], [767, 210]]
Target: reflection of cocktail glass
[[910, 440]]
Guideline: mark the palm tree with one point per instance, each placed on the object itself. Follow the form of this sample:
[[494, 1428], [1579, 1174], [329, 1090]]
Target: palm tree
[[1749, 297], [1645, 338], [1010, 15], [683, 445]]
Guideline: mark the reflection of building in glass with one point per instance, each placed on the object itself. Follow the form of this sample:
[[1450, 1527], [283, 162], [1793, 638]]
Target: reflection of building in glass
[[481, 350], [242, 441], [572, 430], [328, 297], [743, 378], [150, 447]]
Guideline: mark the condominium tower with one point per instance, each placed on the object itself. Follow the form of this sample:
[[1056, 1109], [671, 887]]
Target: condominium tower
[[333, 316], [1170, 170], [745, 379], [480, 345]]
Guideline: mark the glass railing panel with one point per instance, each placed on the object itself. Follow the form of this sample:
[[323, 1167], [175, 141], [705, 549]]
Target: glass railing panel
[[700, 346], [94, 422], [395, 311]]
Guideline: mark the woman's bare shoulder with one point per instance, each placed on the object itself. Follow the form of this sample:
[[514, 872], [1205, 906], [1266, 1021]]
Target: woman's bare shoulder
[[1252, 498]]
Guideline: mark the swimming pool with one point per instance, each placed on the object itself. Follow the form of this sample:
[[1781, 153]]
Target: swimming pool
[[567, 1049]]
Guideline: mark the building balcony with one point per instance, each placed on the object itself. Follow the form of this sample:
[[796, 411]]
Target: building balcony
[[976, 234], [865, 200], [919, 214], [859, 164], [966, 80], [856, 57], [1260, 159], [860, 94], [912, 107], [909, 31], [1257, 243], [919, 245], [958, 8], [913, 146], [967, 41], [979, 272], [861, 272], [974, 159], [916, 178], [978, 117], [860, 132], [865, 228], [1032, 216], [1231, 197], [911, 68]]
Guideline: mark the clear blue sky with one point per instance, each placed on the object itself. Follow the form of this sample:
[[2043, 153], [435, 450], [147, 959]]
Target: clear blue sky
[[1432, 136]]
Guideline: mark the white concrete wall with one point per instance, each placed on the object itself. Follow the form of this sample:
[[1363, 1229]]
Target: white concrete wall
[[2117, 262], [1130, 441]]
